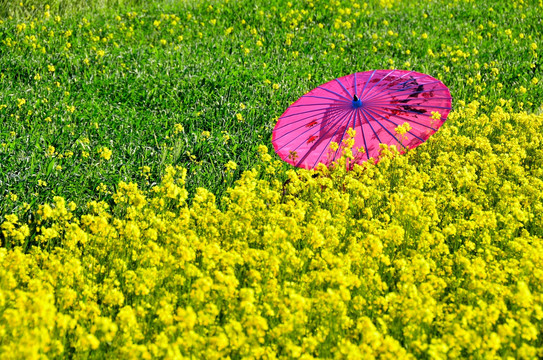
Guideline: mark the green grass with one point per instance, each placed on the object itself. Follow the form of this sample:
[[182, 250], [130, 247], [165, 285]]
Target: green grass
[[130, 99], [29, 8]]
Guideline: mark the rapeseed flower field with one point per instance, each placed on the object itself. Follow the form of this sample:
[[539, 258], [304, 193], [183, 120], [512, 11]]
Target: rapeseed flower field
[[143, 214]]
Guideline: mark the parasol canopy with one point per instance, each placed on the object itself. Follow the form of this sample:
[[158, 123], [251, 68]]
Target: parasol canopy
[[393, 107]]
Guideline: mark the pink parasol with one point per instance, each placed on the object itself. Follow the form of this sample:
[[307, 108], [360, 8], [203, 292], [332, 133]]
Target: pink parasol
[[376, 104]]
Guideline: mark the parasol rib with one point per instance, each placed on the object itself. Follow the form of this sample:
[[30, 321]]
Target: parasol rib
[[333, 92], [319, 140], [329, 141], [334, 113], [344, 88], [340, 140], [384, 118], [333, 122], [377, 83], [366, 84], [363, 135], [412, 121], [386, 94], [371, 126], [384, 127], [302, 119], [326, 98]]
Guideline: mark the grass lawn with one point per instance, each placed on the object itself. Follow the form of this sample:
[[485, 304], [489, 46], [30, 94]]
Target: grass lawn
[[89, 100]]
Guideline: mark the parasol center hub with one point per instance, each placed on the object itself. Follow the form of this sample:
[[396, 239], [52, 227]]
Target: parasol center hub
[[357, 103]]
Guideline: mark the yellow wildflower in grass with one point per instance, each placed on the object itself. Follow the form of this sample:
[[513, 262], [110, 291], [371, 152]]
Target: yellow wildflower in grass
[[145, 171], [101, 188], [230, 166], [225, 136], [264, 156], [206, 135], [105, 153], [50, 150], [178, 128], [51, 68]]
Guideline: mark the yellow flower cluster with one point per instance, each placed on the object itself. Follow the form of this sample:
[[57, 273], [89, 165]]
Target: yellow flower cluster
[[435, 253], [105, 153]]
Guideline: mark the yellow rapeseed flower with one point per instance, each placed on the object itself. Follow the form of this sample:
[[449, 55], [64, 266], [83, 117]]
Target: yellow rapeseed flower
[[230, 166], [105, 153]]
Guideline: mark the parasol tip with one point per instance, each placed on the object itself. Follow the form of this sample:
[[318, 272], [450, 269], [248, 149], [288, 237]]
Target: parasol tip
[[356, 102]]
